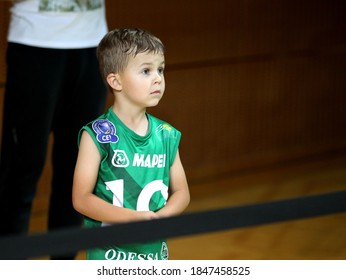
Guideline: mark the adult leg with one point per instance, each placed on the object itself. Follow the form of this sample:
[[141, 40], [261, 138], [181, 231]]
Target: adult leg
[[28, 111], [83, 100]]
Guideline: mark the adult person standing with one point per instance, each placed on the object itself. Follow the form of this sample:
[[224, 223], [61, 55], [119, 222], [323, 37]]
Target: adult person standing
[[53, 85]]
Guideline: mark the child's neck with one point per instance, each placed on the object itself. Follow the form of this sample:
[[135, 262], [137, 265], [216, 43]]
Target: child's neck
[[136, 120]]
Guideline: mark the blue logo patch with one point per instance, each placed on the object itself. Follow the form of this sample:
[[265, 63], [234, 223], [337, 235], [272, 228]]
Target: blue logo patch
[[105, 131]]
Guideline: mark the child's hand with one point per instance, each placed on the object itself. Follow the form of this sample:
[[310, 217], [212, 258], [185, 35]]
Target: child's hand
[[149, 215]]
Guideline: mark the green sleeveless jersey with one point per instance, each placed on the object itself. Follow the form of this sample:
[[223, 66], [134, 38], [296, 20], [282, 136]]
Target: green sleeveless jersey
[[134, 174]]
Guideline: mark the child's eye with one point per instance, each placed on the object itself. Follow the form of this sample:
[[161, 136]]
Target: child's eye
[[161, 70], [146, 71]]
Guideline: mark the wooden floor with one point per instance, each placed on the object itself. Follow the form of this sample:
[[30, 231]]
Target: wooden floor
[[315, 238]]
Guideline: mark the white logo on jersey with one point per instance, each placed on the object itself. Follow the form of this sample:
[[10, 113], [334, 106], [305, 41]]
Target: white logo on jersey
[[120, 159], [164, 251]]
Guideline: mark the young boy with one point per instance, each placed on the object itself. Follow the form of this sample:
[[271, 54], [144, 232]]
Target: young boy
[[128, 160]]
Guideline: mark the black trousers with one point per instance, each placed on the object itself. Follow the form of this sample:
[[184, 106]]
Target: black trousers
[[47, 91]]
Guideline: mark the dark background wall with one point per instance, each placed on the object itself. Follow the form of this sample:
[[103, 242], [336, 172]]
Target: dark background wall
[[249, 83]]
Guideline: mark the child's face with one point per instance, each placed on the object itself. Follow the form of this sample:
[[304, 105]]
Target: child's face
[[143, 80]]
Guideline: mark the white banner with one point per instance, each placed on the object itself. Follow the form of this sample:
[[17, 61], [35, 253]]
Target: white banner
[[189, 270]]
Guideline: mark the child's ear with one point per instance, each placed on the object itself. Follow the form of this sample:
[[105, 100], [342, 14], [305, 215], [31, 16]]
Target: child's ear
[[114, 81]]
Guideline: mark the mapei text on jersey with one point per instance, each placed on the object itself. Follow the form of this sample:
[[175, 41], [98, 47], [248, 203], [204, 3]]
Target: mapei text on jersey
[[149, 161]]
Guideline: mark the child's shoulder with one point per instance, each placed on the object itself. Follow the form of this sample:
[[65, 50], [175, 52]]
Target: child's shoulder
[[104, 121], [102, 128], [160, 126], [156, 121]]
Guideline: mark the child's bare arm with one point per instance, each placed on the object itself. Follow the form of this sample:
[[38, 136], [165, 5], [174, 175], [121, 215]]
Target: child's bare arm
[[180, 195]]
